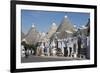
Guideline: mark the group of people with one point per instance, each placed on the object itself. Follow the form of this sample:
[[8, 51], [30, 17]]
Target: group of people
[[77, 47], [25, 52]]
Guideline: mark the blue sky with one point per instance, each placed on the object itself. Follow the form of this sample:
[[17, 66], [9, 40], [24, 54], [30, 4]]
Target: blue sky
[[43, 19]]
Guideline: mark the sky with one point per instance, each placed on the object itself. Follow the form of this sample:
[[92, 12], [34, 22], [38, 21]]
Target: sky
[[44, 19]]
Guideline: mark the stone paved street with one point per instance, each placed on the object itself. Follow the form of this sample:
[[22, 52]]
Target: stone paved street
[[32, 58]]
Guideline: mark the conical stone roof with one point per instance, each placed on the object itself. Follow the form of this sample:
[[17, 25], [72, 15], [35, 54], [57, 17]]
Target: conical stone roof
[[65, 29], [85, 29], [22, 35], [32, 36], [52, 30], [66, 25]]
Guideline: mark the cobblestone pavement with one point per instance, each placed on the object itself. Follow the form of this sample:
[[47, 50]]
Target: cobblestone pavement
[[33, 58]]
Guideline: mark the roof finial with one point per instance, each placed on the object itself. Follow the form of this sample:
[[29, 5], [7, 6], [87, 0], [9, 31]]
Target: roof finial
[[33, 25], [54, 24], [65, 16]]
